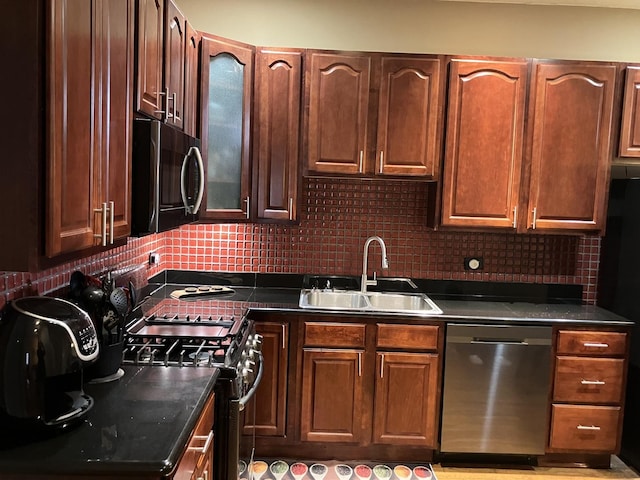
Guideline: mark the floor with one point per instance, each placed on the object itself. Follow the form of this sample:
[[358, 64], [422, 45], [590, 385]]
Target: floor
[[618, 470]]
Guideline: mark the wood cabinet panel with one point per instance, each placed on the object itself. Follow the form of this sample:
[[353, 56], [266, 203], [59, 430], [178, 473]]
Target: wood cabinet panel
[[89, 135], [266, 412], [277, 100], [332, 396], [585, 428], [484, 143], [114, 102], [571, 123], [191, 82], [630, 130], [405, 399], [175, 38], [72, 187], [150, 24], [328, 334], [196, 460], [592, 343], [338, 112], [407, 337], [588, 380], [409, 115]]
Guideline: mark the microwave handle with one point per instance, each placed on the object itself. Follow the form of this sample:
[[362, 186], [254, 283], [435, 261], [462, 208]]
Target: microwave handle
[[196, 206]]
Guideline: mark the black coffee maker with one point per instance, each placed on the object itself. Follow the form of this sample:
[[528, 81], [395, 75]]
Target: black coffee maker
[[44, 345]]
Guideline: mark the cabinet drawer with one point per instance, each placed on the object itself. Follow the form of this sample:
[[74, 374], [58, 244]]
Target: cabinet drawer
[[588, 380], [413, 337], [585, 428], [591, 343], [321, 334]]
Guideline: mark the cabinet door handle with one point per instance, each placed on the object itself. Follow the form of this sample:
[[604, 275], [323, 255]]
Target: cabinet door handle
[[290, 208], [103, 233], [359, 364], [382, 365], [111, 214], [165, 101], [207, 442], [168, 114], [515, 217], [595, 345], [533, 223], [592, 382], [175, 102], [588, 427], [361, 161], [248, 202], [381, 160], [284, 334]]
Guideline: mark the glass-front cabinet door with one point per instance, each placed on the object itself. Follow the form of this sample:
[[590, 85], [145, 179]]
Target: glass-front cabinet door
[[227, 71]]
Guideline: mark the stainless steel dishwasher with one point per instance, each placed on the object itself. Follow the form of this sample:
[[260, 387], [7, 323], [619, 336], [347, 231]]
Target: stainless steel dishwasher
[[496, 387]]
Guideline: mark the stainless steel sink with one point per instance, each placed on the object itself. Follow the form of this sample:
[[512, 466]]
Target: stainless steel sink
[[414, 303]]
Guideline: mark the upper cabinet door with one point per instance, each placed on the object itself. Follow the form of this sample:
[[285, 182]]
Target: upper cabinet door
[[226, 87], [484, 143], [409, 115], [277, 90], [338, 111], [175, 44], [115, 96], [150, 57], [571, 121], [630, 131], [191, 83], [72, 180]]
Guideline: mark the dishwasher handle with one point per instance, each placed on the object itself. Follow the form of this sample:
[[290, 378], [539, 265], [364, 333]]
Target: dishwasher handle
[[499, 341]]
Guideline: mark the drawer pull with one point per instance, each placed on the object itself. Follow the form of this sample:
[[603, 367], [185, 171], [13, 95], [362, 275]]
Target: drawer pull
[[587, 427], [207, 442], [592, 382], [596, 345]]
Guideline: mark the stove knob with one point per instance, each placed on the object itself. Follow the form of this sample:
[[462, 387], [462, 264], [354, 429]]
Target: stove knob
[[257, 342], [249, 364]]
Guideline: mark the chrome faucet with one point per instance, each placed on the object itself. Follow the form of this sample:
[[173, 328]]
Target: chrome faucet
[[365, 257]]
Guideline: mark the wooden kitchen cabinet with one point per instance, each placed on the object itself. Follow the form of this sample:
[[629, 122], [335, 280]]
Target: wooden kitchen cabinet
[[74, 149], [338, 371], [570, 116], [481, 180], [588, 391], [191, 81], [332, 382], [225, 106], [174, 64], [197, 460], [89, 201], [150, 59], [630, 129], [374, 114], [276, 149], [161, 50], [266, 412]]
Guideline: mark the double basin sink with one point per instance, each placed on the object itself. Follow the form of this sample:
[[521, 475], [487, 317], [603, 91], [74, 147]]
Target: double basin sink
[[350, 300]]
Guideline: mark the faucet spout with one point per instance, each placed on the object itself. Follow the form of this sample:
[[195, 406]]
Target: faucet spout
[[365, 257]]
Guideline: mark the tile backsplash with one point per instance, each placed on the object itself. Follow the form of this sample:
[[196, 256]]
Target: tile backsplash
[[336, 216]]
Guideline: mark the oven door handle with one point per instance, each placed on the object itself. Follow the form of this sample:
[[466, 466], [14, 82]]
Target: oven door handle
[[243, 401]]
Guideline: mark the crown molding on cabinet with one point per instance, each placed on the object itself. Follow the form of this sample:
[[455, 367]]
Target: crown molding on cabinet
[[634, 4]]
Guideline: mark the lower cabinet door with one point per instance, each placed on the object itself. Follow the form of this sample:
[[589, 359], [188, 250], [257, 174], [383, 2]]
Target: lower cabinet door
[[406, 391], [332, 394], [586, 428]]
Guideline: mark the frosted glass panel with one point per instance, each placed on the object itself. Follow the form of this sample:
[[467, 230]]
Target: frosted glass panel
[[224, 138]]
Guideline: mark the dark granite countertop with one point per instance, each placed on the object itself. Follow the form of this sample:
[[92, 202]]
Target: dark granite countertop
[[460, 302], [139, 423]]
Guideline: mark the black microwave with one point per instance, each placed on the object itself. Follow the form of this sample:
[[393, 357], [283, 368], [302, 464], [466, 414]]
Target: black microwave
[[167, 178]]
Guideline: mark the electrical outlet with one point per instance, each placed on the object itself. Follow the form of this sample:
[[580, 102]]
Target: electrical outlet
[[473, 263], [154, 258]]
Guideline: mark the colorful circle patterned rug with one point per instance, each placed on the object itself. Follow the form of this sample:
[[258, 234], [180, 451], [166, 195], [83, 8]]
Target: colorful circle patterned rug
[[331, 470]]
